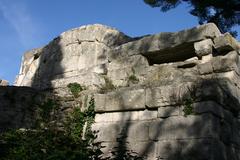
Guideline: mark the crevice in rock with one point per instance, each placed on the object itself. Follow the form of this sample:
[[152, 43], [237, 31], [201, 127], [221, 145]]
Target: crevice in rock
[[176, 54]]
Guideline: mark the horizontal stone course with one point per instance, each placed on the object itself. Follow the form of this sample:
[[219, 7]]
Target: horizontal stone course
[[197, 149], [204, 126], [120, 100]]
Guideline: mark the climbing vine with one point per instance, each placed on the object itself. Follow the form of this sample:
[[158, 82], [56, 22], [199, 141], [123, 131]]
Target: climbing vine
[[53, 143]]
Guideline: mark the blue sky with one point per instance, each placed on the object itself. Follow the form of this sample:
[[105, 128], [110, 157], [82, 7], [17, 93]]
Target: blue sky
[[27, 24]]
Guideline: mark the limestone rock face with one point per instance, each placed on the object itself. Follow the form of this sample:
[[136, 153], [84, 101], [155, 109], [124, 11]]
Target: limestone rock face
[[166, 96], [80, 54]]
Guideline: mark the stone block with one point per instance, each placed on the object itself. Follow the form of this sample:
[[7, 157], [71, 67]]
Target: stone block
[[206, 58], [137, 131], [127, 62], [211, 107], [157, 75], [221, 91], [169, 47], [103, 117], [167, 95], [90, 54], [226, 43], [147, 115], [191, 126], [100, 102], [108, 132], [124, 116], [226, 63], [121, 131], [119, 76], [146, 150], [205, 68], [203, 47], [197, 149], [164, 112], [122, 100]]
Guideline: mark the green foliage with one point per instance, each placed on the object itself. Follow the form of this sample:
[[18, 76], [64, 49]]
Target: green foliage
[[188, 107], [53, 143], [225, 14], [133, 79], [45, 110], [75, 88], [76, 121], [41, 145]]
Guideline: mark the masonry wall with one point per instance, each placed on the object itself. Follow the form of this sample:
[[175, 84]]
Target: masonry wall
[[17, 107], [164, 96]]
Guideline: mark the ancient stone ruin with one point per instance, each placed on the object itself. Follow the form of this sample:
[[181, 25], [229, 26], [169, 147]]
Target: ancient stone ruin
[[3, 82], [164, 96]]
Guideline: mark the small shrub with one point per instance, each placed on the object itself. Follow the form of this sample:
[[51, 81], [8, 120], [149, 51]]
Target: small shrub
[[188, 107], [133, 79], [75, 88]]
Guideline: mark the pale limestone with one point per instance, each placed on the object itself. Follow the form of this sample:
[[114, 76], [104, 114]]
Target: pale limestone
[[121, 100], [4, 83], [226, 43], [203, 47], [180, 127], [164, 112]]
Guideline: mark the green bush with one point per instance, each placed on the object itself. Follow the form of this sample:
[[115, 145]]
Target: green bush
[[53, 143], [75, 88], [45, 110], [188, 107], [133, 79]]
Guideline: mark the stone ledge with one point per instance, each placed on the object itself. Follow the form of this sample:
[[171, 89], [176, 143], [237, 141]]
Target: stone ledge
[[226, 43], [120, 100], [169, 47], [192, 126]]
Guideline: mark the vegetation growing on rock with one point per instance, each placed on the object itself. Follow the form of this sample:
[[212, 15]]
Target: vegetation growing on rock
[[51, 142], [75, 88]]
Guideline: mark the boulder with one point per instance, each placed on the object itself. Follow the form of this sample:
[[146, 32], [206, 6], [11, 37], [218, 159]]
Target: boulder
[[203, 47]]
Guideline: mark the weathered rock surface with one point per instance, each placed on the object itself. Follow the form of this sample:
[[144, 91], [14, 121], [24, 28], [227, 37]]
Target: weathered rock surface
[[71, 55], [169, 47], [166, 96], [101, 50], [226, 43], [4, 83]]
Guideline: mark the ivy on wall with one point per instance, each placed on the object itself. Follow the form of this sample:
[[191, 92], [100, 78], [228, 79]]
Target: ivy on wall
[[74, 141]]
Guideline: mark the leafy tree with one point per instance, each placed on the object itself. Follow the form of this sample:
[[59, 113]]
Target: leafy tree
[[224, 13]]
